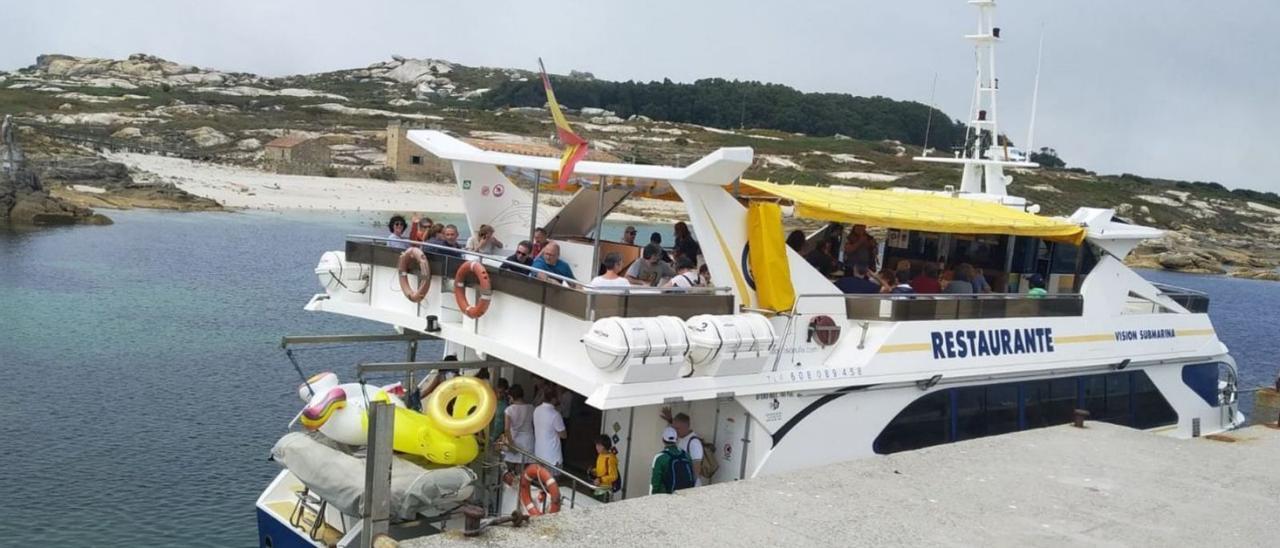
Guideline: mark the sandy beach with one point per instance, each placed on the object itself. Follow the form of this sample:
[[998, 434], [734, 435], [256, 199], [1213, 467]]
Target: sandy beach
[[246, 188]]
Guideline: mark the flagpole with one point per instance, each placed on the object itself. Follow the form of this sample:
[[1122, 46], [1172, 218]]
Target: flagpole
[[595, 251], [533, 216]]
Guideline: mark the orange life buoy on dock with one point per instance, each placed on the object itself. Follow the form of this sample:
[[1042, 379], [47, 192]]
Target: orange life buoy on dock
[[460, 289], [550, 488], [424, 274]]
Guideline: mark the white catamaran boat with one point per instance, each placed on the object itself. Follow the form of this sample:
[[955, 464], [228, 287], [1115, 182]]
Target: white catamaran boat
[[777, 368]]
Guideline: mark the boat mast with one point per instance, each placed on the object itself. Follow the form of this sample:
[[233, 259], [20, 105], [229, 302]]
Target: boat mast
[[983, 156]]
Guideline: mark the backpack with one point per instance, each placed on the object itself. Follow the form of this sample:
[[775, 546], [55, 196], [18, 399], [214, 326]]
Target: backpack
[[709, 465], [682, 475]]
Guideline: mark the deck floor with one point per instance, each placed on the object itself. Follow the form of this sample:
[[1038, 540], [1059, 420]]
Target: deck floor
[[1103, 485]]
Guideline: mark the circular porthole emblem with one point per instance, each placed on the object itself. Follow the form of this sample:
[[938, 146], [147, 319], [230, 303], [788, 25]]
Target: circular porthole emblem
[[823, 330]]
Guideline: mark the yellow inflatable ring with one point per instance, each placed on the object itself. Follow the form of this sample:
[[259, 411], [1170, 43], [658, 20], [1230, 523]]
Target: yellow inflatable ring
[[466, 390]]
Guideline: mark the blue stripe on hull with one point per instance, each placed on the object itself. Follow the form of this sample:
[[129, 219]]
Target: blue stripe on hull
[[272, 533]]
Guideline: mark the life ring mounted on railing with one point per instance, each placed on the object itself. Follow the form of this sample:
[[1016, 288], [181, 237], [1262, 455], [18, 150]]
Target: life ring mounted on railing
[[424, 274], [481, 274], [550, 489]]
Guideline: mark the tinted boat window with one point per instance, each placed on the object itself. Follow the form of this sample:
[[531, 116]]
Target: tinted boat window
[[926, 422], [1049, 402], [1124, 397], [1150, 409], [986, 410]]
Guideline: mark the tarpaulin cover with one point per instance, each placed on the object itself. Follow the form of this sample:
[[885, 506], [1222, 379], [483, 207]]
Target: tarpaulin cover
[[917, 211]]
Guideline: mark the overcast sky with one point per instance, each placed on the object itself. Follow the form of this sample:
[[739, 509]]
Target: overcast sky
[[1171, 88]]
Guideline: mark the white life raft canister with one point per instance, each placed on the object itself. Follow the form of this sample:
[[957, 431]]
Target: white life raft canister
[[650, 349], [342, 280], [737, 344]]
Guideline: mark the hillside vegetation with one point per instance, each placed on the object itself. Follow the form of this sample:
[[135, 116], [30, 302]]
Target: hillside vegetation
[[723, 103]]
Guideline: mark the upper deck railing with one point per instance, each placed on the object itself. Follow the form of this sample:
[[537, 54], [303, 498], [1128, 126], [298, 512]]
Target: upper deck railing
[[569, 296], [917, 307], [1194, 301]]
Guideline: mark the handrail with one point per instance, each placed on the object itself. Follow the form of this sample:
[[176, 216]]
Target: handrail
[[1169, 289], [946, 296], [574, 283], [558, 470]]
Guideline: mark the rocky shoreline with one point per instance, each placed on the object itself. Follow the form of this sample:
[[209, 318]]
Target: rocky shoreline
[[1195, 252]]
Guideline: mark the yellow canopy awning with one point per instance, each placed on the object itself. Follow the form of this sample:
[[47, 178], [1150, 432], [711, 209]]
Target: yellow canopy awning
[[917, 211]]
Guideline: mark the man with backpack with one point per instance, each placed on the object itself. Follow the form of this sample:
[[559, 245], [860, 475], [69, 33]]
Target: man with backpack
[[704, 460], [672, 469]]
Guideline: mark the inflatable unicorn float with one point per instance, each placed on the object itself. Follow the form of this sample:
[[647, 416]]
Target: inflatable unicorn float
[[443, 432]]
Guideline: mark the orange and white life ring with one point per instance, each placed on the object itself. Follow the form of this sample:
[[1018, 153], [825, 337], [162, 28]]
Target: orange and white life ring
[[547, 481], [460, 289], [424, 274]]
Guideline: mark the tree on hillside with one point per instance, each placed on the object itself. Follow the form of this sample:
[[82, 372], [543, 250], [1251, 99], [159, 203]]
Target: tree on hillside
[[1048, 157], [717, 102]]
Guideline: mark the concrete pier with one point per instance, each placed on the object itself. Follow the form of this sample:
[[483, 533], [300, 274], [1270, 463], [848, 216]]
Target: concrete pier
[[1101, 485]]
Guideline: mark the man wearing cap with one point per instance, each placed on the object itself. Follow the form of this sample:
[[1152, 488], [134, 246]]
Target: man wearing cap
[[1037, 291], [629, 235], [661, 480]]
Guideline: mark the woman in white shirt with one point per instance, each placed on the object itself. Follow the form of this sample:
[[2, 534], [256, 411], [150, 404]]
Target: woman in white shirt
[[611, 279], [686, 274], [519, 429]]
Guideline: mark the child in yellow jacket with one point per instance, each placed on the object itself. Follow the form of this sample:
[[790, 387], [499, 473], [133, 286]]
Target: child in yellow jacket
[[606, 470]]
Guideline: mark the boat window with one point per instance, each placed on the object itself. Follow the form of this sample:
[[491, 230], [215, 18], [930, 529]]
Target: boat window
[[1106, 397], [1125, 397], [980, 251], [986, 411], [1049, 402], [1202, 378], [1150, 409], [926, 422]]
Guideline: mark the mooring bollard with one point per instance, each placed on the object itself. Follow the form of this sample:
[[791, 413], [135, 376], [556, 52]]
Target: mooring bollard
[[1078, 416]]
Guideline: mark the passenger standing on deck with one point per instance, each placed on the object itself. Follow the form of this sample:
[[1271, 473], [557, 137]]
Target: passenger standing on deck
[[548, 430], [860, 248], [795, 240], [688, 440], [397, 226], [519, 428], [498, 425], [685, 245], [629, 235], [606, 471], [672, 469]]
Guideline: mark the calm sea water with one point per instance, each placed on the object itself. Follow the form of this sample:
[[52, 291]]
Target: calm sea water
[[143, 383]]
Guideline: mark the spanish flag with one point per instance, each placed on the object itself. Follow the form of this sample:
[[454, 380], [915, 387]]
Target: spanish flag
[[575, 146]]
